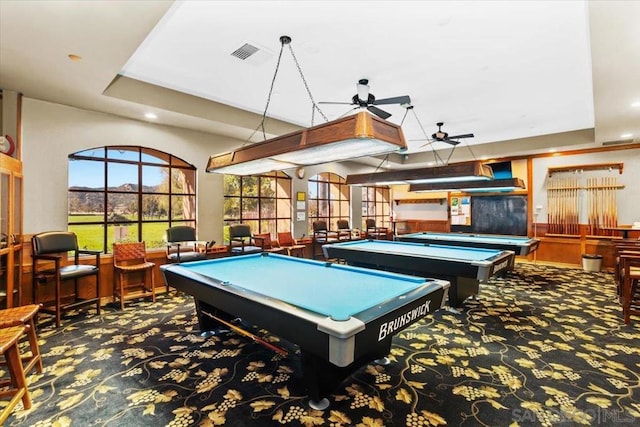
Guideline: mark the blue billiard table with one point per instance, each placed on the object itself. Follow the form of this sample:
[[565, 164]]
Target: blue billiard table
[[341, 317], [521, 245], [463, 267]]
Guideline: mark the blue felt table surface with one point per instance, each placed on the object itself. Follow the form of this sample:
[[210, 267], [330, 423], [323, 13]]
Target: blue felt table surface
[[460, 253], [337, 291]]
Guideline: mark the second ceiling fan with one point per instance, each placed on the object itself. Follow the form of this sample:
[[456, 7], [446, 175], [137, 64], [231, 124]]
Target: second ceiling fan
[[365, 99], [442, 136]]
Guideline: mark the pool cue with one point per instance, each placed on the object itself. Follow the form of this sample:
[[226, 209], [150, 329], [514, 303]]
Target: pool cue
[[615, 201], [554, 206], [590, 203], [563, 204], [605, 205], [571, 207], [255, 338], [574, 192], [594, 203], [606, 217], [578, 206]]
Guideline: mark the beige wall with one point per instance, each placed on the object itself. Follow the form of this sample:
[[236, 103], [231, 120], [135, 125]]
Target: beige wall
[[52, 131], [628, 198]]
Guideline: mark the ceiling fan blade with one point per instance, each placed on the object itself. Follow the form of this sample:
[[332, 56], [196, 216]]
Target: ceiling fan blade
[[336, 103], [378, 112], [396, 100], [451, 142], [466, 135]]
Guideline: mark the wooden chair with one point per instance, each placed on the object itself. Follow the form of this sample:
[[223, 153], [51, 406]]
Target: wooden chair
[[25, 315], [241, 241], [375, 232], [630, 265], [268, 245], [130, 259], [286, 240], [18, 389], [626, 248], [322, 236], [183, 246], [49, 251]]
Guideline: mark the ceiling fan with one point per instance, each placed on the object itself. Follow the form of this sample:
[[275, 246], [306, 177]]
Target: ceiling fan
[[445, 137], [364, 99]]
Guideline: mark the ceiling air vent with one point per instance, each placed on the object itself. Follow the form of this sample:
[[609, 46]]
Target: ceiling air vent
[[244, 51]]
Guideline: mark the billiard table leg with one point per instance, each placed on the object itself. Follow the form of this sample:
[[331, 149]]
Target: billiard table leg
[[320, 405]]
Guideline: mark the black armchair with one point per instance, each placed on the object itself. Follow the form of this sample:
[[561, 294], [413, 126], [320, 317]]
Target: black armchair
[[182, 244], [242, 241], [322, 236], [375, 232], [344, 231], [49, 251]]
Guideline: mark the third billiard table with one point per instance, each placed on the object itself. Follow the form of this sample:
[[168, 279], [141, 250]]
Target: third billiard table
[[521, 245]]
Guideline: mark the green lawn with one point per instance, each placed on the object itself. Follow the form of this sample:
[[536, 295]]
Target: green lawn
[[90, 236]]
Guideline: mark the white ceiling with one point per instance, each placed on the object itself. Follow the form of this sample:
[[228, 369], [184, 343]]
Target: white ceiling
[[502, 70]]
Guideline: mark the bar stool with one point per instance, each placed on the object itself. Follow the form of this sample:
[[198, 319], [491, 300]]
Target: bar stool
[[18, 390], [25, 315]]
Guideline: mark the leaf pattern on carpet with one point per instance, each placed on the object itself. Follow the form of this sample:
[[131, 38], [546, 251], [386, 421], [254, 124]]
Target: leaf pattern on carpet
[[542, 346]]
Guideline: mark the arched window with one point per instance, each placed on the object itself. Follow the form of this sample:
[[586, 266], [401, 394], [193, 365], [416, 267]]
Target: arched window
[[328, 199], [262, 201], [127, 193], [376, 202]]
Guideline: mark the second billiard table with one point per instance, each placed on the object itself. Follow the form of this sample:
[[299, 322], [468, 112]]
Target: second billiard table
[[463, 267], [341, 317]]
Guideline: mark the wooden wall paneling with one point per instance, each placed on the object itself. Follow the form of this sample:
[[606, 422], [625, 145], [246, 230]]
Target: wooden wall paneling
[[561, 250]]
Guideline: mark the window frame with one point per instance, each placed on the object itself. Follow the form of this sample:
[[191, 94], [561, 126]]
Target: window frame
[[141, 158], [381, 205], [281, 214], [336, 208]]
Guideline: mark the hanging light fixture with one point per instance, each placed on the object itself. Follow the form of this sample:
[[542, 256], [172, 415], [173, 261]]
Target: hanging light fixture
[[457, 172], [346, 138], [506, 184]]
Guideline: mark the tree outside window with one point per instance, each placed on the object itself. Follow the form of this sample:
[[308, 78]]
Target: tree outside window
[[128, 193], [328, 199], [263, 202], [376, 202]]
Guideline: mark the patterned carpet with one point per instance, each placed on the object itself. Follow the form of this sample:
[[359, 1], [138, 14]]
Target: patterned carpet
[[543, 346]]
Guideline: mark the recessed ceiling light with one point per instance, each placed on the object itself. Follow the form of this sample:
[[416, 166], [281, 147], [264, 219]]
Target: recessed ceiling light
[[73, 57], [635, 104], [626, 135], [151, 116]]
